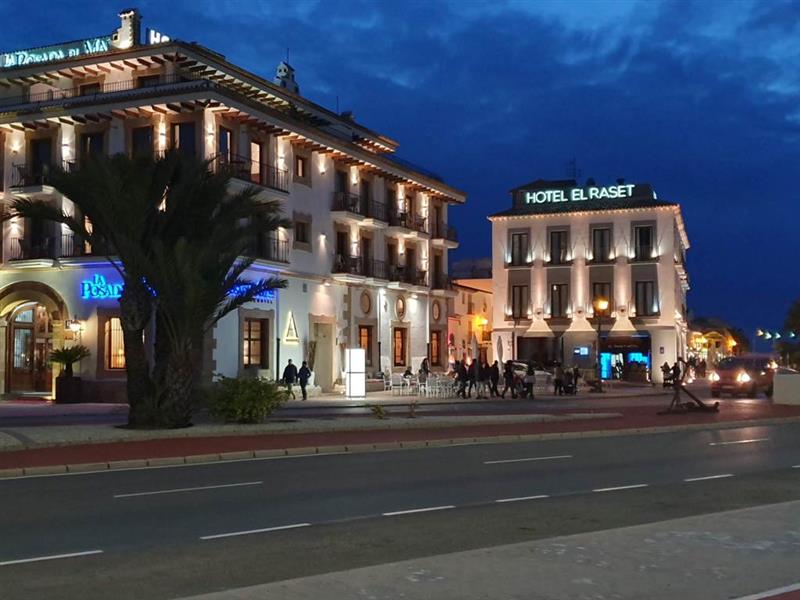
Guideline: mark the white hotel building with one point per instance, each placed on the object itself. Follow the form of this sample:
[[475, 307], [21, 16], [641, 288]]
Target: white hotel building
[[366, 260], [560, 247]]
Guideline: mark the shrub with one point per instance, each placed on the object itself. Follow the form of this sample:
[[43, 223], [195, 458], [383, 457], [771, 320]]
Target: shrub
[[246, 400], [68, 356]]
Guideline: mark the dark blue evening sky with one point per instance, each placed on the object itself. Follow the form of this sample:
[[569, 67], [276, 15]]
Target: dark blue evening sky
[[701, 99]]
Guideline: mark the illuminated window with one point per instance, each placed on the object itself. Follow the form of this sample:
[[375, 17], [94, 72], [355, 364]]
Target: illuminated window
[[519, 302], [559, 299], [436, 343], [601, 244], [646, 302], [558, 247], [255, 162], [114, 345], [365, 342], [519, 249], [254, 350], [300, 166], [643, 242], [601, 290], [399, 347], [225, 144]]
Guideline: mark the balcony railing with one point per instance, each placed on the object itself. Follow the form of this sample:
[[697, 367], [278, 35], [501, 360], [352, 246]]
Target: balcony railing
[[408, 221], [254, 171], [26, 249], [269, 247], [441, 231], [358, 265], [25, 175], [444, 282], [409, 275], [353, 203]]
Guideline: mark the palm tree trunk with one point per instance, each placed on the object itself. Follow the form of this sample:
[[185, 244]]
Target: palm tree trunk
[[135, 311], [179, 387]]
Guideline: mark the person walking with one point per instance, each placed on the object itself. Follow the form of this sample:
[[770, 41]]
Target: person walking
[[463, 377], [303, 376], [529, 381], [494, 378], [576, 375], [508, 379], [558, 380], [289, 377], [676, 375], [665, 370], [472, 376]]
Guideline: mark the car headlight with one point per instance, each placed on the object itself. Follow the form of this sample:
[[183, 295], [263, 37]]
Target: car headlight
[[743, 377], [713, 376]]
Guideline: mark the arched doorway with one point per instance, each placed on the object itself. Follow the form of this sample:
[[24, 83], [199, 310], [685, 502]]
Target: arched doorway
[[30, 340], [31, 325]]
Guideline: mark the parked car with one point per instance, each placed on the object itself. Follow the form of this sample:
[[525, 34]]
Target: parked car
[[743, 375]]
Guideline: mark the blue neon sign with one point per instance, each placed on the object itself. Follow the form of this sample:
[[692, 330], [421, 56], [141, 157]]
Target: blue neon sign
[[98, 288]]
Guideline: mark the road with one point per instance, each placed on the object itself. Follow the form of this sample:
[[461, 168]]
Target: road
[[172, 532]]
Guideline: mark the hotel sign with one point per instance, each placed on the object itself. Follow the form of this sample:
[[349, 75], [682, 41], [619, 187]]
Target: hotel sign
[[57, 52], [579, 194]]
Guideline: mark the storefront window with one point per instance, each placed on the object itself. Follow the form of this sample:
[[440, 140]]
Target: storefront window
[[254, 350], [114, 345], [365, 342], [399, 347]]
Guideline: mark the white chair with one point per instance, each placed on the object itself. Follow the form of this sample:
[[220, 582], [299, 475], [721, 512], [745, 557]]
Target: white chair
[[397, 382], [387, 382]]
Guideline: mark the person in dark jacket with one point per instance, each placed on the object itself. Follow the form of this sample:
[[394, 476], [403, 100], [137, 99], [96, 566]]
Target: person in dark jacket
[[463, 377], [303, 376], [494, 378], [472, 376], [289, 377], [508, 379]]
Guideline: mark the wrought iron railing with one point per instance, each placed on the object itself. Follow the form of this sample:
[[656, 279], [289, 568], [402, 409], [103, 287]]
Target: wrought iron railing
[[444, 232], [408, 221], [408, 274], [360, 205], [269, 247], [254, 171], [444, 282], [26, 249], [25, 175]]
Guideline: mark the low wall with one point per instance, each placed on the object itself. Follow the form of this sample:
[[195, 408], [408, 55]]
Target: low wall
[[787, 388]]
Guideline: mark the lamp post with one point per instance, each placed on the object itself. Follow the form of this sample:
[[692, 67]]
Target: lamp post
[[600, 306]]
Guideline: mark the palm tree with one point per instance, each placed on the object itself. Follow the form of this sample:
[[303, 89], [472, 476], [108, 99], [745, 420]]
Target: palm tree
[[177, 238]]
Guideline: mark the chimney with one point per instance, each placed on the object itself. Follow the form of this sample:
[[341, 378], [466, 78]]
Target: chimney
[[129, 32], [284, 77]]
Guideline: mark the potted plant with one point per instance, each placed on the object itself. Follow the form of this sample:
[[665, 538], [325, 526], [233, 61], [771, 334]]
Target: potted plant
[[68, 387]]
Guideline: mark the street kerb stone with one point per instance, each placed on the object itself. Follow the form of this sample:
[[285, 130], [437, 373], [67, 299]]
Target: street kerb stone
[[48, 470], [6, 473], [236, 455], [414, 444], [271, 453], [331, 449], [84, 467], [166, 462], [202, 458], [303, 450], [134, 463], [359, 448], [387, 446]]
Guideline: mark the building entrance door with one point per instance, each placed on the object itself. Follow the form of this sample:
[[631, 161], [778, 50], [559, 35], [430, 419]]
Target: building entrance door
[[323, 356], [30, 341]]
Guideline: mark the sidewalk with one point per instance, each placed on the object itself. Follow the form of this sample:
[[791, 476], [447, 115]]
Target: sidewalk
[[31, 450], [725, 555]]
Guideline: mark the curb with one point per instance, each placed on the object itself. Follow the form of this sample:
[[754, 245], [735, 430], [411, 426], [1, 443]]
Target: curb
[[200, 459]]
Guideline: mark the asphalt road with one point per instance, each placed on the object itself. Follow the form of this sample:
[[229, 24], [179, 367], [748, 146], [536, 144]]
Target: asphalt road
[[172, 532]]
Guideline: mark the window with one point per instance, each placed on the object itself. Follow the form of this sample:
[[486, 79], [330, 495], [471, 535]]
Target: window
[[300, 166], [142, 141], [147, 81], [646, 302], [89, 89], [399, 347], [114, 346], [91, 145], [255, 162], [601, 245], [558, 247], [183, 138], [559, 300], [301, 232], [519, 249], [519, 302], [436, 345], [365, 342], [225, 148], [340, 181], [254, 351], [643, 242], [601, 290]]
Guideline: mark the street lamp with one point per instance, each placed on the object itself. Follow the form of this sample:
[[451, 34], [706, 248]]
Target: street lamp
[[600, 307]]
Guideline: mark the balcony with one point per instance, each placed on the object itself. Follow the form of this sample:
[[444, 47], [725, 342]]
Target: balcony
[[518, 261], [32, 249], [253, 171], [355, 268], [408, 225], [26, 176], [444, 236], [268, 247], [358, 209], [442, 285], [401, 276]]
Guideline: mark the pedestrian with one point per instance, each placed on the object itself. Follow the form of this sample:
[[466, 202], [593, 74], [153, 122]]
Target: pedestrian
[[576, 375], [424, 368], [676, 374], [481, 379], [463, 377], [472, 376], [665, 369], [529, 381], [558, 380], [494, 378], [568, 382], [289, 377], [303, 376], [508, 379]]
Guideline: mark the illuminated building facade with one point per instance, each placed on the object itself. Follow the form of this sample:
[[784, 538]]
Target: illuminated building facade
[[366, 259], [562, 250]]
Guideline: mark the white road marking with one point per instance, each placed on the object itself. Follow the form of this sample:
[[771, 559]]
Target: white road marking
[[772, 593], [189, 489], [621, 487], [723, 476], [796, 466], [753, 441], [522, 498], [252, 531], [51, 557], [417, 510], [516, 460]]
